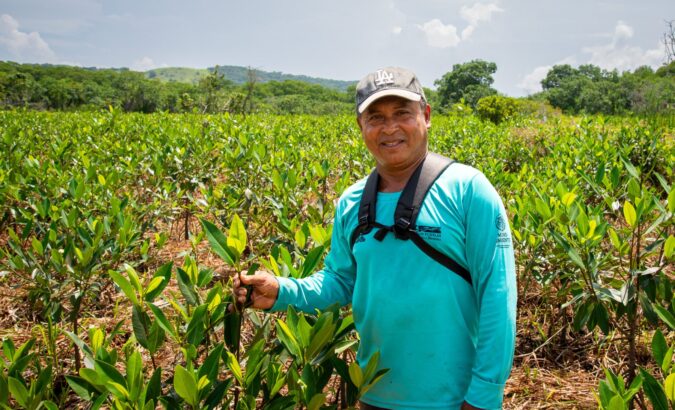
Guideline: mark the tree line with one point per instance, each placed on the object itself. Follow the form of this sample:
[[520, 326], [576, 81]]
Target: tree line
[[587, 89], [56, 87]]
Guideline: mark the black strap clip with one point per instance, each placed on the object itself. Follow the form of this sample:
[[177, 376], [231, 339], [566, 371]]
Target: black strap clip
[[402, 228]]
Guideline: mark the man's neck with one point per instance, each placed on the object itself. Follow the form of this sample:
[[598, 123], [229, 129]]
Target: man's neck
[[394, 180]]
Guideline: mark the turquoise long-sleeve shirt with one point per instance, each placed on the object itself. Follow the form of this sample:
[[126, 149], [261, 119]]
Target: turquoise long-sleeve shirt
[[444, 341]]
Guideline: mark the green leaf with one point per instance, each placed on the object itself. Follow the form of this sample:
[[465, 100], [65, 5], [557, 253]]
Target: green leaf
[[630, 168], [300, 238], [218, 242], [600, 173], [185, 385], [210, 366], [378, 376], [236, 238], [49, 405], [614, 238], [671, 201], [162, 320], [629, 214], [215, 397], [156, 337], [659, 347], [18, 391], [288, 339], [133, 278], [232, 324], [125, 285], [195, 329], [356, 374], [117, 390], [669, 387], [164, 273], [81, 387], [37, 246], [320, 235], [543, 209], [154, 284], [617, 403], [234, 366], [654, 391], [574, 256], [141, 323], [186, 288], [153, 389], [312, 259], [372, 365], [93, 378], [322, 334], [667, 360], [665, 315], [108, 373], [669, 246], [316, 402]]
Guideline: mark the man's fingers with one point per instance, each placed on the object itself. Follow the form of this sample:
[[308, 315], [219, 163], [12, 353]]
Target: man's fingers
[[256, 279]]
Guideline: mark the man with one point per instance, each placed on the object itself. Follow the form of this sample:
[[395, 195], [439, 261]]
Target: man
[[447, 341]]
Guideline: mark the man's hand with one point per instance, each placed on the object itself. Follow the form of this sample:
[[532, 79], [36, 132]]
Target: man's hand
[[265, 289], [467, 406]]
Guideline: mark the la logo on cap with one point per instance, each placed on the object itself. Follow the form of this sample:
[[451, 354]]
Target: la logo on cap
[[384, 78]]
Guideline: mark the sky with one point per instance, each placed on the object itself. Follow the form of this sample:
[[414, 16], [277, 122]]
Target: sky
[[343, 39]]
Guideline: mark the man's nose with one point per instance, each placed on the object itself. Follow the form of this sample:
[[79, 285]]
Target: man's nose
[[390, 125]]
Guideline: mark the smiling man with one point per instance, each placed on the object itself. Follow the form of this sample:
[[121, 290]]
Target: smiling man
[[422, 251]]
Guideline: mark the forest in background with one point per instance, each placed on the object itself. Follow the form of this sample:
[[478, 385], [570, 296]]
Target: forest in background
[[586, 89]]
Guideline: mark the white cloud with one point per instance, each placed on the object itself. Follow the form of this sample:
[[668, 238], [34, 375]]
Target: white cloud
[[475, 14], [144, 64], [531, 83], [620, 55], [445, 35], [440, 35], [622, 31], [25, 47], [397, 30]]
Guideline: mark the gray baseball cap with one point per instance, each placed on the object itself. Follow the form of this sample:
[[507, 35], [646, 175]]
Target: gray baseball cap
[[388, 81]]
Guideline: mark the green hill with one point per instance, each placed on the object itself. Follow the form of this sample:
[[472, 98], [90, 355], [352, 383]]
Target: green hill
[[238, 75], [178, 74]]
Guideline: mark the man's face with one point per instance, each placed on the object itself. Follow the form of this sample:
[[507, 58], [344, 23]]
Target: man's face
[[395, 132]]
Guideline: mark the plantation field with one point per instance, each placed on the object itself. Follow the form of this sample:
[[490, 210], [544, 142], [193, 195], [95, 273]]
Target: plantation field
[[119, 234]]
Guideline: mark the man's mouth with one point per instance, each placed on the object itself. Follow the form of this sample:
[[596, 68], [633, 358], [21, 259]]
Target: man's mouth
[[392, 144]]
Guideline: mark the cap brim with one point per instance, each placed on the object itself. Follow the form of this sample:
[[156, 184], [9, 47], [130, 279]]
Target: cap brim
[[408, 95]]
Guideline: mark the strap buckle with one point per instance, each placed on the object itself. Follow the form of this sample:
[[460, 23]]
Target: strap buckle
[[402, 228]]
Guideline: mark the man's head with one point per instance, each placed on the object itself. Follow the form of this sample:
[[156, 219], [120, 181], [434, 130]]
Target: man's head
[[394, 118], [385, 82]]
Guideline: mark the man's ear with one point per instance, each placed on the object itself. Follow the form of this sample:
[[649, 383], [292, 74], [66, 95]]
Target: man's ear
[[358, 122]]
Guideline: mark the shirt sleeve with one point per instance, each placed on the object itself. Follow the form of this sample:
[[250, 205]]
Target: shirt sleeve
[[489, 252], [333, 284]]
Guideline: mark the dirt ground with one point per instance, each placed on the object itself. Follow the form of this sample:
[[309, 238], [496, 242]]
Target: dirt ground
[[545, 375]]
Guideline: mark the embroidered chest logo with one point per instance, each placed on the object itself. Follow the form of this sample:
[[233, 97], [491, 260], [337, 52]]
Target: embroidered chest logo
[[384, 78], [432, 233]]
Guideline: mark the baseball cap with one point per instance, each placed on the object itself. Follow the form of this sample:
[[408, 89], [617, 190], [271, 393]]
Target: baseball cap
[[388, 81]]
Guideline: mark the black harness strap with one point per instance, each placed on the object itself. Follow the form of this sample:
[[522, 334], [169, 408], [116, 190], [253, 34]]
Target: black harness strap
[[407, 210]]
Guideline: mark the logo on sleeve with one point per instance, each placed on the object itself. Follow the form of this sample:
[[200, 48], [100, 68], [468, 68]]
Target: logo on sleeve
[[503, 236]]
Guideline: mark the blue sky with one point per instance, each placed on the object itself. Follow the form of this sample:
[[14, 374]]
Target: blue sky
[[341, 40]]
